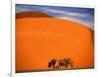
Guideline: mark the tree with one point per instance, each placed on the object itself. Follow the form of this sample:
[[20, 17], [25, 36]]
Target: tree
[[52, 63], [65, 63]]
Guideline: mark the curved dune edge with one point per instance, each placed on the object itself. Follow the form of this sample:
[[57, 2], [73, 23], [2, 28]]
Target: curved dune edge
[[31, 14], [79, 22], [37, 36], [39, 15]]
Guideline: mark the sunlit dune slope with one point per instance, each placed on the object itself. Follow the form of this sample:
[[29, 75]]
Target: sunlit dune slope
[[40, 38]]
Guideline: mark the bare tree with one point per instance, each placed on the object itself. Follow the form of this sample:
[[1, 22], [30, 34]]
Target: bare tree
[[52, 63], [65, 63]]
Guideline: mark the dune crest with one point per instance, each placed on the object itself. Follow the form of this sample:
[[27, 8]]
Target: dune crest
[[31, 14]]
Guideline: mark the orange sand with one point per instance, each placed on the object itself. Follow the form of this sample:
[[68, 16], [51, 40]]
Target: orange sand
[[40, 39]]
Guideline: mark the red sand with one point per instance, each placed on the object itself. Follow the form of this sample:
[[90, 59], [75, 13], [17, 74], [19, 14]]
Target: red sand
[[40, 39]]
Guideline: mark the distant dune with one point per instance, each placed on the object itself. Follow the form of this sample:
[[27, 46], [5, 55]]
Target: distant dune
[[40, 38], [30, 14]]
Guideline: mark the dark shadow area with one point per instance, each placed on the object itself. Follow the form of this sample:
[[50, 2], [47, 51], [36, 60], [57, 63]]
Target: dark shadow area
[[28, 71], [31, 15], [92, 37]]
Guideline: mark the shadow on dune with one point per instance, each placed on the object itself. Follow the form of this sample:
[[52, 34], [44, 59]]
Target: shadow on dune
[[31, 15]]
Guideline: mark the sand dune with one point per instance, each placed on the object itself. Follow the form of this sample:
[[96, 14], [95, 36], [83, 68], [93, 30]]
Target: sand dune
[[39, 38], [30, 15]]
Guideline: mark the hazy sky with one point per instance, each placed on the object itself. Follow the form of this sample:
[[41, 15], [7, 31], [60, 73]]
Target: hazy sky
[[81, 15]]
